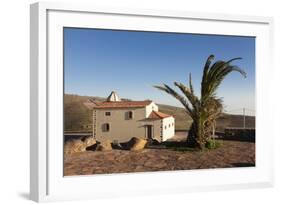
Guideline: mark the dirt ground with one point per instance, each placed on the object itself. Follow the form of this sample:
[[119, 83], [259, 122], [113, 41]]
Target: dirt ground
[[231, 154]]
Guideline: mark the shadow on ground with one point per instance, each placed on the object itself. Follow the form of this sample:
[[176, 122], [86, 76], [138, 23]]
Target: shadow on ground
[[243, 164]]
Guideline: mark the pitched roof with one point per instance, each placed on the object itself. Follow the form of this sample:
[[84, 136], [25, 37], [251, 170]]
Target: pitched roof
[[158, 115], [121, 104], [113, 97]]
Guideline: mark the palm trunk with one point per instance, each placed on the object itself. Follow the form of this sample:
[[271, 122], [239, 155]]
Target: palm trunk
[[196, 136]]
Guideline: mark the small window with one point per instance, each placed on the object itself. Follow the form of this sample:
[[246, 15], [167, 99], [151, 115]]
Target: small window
[[172, 124], [165, 127], [169, 125], [107, 113], [130, 115], [106, 127]]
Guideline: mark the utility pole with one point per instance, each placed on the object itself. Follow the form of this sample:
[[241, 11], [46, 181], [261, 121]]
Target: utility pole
[[244, 118]]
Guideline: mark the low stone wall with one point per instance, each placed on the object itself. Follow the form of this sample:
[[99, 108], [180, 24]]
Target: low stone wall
[[241, 134]]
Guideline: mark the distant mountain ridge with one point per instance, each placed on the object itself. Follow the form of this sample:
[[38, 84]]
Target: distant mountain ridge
[[78, 116]]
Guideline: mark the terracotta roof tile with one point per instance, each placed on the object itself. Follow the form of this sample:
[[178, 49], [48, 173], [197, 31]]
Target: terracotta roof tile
[[121, 104], [158, 115]]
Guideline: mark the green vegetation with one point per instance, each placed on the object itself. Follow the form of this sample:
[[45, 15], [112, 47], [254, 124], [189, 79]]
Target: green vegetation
[[213, 144], [179, 146], [203, 110]]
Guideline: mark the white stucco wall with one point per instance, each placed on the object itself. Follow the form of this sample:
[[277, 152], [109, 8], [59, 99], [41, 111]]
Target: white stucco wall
[[168, 128], [149, 108], [121, 129]]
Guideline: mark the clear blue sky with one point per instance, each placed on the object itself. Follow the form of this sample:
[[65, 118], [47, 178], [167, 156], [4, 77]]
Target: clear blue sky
[[99, 61]]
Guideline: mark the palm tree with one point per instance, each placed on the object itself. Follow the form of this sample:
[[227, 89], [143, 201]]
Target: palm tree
[[204, 110]]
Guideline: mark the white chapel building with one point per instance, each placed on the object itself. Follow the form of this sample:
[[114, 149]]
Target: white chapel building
[[119, 120]]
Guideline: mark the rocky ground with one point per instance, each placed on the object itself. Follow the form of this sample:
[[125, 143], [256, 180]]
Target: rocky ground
[[231, 154]]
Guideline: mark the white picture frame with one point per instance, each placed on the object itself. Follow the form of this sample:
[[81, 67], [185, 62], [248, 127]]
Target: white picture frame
[[46, 139]]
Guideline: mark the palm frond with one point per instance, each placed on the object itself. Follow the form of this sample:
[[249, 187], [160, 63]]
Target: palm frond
[[176, 95], [217, 80], [233, 59], [194, 101], [206, 109], [215, 68], [207, 66], [218, 71], [190, 84], [220, 66]]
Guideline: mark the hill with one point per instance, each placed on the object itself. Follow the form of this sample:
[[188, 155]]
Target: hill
[[78, 117]]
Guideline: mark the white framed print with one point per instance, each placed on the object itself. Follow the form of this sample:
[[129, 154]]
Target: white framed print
[[133, 102]]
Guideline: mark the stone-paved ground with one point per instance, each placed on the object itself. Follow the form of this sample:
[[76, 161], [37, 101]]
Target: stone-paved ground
[[231, 154]]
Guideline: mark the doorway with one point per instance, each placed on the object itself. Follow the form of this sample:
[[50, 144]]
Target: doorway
[[149, 133]]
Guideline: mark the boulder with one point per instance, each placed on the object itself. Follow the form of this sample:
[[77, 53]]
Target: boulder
[[89, 141], [73, 146], [78, 145], [104, 146], [136, 144]]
